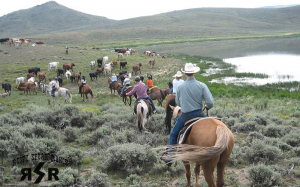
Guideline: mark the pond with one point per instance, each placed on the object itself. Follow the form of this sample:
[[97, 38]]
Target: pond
[[279, 68]]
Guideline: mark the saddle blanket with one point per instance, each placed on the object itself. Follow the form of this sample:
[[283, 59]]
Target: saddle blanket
[[186, 129], [58, 88], [152, 88]]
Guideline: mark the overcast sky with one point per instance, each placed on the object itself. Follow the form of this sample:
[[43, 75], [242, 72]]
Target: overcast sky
[[124, 9]]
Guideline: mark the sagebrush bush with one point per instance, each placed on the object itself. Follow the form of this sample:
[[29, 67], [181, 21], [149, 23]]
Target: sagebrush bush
[[259, 151], [74, 155], [71, 134], [237, 157], [276, 130], [293, 138], [132, 158], [98, 180], [247, 126], [68, 177], [262, 176]]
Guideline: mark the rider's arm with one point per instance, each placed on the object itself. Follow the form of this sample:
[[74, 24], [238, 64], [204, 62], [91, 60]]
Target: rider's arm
[[209, 100]]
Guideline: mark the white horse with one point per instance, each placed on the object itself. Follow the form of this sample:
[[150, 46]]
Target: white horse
[[93, 64], [62, 92], [68, 74], [142, 115], [52, 64], [20, 80]]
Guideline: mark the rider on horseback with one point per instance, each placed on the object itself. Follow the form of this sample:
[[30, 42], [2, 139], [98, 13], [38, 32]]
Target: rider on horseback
[[141, 91], [177, 81], [113, 79], [126, 83], [189, 97], [149, 82], [83, 82], [54, 86]]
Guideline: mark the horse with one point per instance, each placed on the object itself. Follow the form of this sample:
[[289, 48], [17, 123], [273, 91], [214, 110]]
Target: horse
[[124, 96], [114, 86], [169, 111], [143, 112], [209, 144], [85, 90], [158, 94], [61, 92]]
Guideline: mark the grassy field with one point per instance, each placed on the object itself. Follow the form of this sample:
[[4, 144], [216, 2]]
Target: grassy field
[[265, 121]]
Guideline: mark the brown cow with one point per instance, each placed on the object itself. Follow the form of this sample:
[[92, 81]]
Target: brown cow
[[68, 66], [99, 70], [164, 56], [123, 50], [136, 68], [134, 51], [77, 76], [25, 86], [42, 77], [39, 42], [115, 62], [29, 75]]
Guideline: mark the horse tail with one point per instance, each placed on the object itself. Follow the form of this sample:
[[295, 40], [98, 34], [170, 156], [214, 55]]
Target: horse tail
[[70, 95], [169, 111], [162, 95], [139, 115], [194, 153], [92, 94]]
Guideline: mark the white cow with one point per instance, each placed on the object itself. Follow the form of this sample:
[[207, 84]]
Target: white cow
[[52, 64], [93, 64], [127, 53], [68, 74], [105, 59], [20, 80], [31, 79]]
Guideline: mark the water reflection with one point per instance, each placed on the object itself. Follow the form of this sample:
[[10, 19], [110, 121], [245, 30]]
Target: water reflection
[[279, 68]]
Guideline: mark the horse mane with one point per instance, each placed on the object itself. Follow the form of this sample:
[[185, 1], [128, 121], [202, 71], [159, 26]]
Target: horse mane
[[194, 153]]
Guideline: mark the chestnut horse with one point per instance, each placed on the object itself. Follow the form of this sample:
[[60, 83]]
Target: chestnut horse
[[169, 111], [125, 96], [158, 94], [114, 86], [85, 90], [209, 145]]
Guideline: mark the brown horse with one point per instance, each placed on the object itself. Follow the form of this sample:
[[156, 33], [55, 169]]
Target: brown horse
[[114, 86], [169, 111], [85, 90], [158, 94], [124, 96], [209, 144]]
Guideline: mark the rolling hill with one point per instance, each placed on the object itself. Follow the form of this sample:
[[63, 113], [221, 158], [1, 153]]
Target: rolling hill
[[52, 18]]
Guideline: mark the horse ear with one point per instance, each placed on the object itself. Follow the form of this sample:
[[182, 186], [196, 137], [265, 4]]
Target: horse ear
[[172, 107]]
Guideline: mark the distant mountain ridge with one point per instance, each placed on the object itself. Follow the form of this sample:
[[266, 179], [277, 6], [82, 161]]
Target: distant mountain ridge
[[51, 17], [280, 6]]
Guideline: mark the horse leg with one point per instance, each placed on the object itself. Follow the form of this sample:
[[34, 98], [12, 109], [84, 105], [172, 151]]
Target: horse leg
[[187, 173], [197, 172], [208, 170], [221, 166]]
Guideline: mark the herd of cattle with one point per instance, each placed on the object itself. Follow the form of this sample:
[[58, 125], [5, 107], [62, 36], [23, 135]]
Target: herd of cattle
[[19, 41], [67, 69]]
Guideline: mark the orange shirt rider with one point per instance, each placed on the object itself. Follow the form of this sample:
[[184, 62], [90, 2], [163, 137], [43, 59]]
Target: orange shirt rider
[[149, 83]]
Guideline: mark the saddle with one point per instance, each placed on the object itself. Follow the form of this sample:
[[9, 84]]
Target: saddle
[[186, 129], [127, 88], [148, 105], [149, 91], [57, 88]]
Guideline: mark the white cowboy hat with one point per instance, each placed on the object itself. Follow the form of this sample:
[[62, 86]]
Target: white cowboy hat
[[178, 74], [190, 68]]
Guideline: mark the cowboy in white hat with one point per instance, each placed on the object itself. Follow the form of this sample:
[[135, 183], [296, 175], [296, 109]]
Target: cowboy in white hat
[[189, 97], [177, 81]]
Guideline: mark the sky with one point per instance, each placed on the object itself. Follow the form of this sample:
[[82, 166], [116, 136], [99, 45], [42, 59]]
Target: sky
[[125, 9]]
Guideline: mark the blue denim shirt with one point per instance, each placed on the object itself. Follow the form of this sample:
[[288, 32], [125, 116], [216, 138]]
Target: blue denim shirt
[[190, 95]]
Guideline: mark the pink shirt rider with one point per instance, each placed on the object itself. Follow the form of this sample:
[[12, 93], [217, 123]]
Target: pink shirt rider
[[140, 89]]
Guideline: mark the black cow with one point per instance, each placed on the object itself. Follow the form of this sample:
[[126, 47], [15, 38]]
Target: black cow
[[117, 50], [35, 70], [3, 40], [122, 72], [123, 64], [60, 72], [6, 86], [60, 80], [99, 61], [72, 77], [94, 74]]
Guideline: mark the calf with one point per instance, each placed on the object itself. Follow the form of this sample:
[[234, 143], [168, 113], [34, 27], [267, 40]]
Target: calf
[[72, 78], [35, 70], [60, 72], [99, 61], [136, 68], [5, 94], [123, 65], [29, 75], [93, 75], [68, 66], [6, 86], [42, 77], [99, 70]]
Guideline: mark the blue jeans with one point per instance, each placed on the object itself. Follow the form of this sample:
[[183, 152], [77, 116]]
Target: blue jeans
[[148, 98], [122, 91], [180, 123], [171, 91], [53, 90]]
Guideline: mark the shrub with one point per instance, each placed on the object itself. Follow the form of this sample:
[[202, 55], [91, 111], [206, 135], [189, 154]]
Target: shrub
[[98, 180], [276, 130], [72, 154], [262, 176], [237, 157], [245, 127], [67, 177], [261, 152], [293, 138], [133, 158], [71, 134]]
